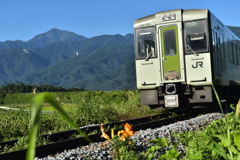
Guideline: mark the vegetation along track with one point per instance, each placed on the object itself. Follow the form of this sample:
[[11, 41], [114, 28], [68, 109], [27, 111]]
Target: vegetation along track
[[62, 142]]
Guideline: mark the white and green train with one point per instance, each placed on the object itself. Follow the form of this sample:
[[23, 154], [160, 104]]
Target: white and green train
[[180, 54]]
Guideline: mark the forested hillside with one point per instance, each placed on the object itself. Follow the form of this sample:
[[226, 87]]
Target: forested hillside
[[65, 59]]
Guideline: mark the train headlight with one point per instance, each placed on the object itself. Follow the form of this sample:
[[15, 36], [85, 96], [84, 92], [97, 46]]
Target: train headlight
[[168, 17]]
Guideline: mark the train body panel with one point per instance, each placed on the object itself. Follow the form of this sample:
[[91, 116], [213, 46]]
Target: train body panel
[[151, 80], [198, 69], [180, 54]]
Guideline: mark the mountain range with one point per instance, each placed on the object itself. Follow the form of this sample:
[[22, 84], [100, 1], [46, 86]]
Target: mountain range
[[63, 58]]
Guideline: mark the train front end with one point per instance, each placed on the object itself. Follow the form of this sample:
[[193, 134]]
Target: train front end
[[173, 58]]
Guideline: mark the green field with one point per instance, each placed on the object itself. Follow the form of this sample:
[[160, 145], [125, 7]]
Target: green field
[[87, 107]]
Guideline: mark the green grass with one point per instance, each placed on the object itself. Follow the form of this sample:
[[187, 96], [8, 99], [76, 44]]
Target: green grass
[[82, 107], [51, 108], [219, 140], [35, 121]]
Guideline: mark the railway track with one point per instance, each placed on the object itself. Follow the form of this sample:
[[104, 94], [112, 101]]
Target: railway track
[[60, 141]]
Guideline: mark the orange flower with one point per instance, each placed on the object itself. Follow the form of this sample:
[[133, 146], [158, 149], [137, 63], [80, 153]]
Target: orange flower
[[127, 132], [104, 135]]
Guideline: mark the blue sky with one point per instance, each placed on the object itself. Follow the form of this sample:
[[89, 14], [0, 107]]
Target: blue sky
[[23, 19]]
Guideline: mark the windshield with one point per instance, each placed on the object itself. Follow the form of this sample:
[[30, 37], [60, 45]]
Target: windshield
[[196, 36], [145, 43]]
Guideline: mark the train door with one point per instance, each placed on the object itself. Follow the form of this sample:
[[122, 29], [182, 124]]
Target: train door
[[171, 54]]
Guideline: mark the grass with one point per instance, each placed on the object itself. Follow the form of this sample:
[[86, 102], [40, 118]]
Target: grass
[[35, 121], [219, 140], [82, 107], [51, 108]]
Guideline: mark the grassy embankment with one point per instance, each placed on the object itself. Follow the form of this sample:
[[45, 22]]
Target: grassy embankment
[[88, 107], [220, 140]]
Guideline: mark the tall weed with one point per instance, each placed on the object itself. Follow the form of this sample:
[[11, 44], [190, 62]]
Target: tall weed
[[35, 119]]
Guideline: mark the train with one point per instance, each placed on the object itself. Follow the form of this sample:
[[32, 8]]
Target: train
[[180, 55]]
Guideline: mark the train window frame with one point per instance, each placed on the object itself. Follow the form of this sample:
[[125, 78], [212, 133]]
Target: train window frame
[[217, 54], [213, 38], [230, 53], [222, 48], [145, 32], [205, 30], [238, 53], [235, 56]]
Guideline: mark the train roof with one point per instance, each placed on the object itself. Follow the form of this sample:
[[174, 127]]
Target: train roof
[[186, 15]]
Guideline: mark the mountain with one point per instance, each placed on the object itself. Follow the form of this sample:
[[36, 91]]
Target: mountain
[[67, 62], [124, 77], [60, 51], [41, 40], [76, 71], [13, 44], [17, 62], [54, 35]]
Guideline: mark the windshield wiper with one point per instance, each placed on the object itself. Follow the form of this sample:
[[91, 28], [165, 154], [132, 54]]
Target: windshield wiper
[[150, 54], [195, 53]]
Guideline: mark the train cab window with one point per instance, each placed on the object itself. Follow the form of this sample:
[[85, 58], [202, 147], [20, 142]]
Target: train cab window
[[145, 43], [196, 36]]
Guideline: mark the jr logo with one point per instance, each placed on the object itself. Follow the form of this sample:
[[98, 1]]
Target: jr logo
[[199, 63]]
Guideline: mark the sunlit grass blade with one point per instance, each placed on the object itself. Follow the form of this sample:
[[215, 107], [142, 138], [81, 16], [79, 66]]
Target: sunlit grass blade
[[236, 138], [217, 97], [237, 112], [35, 118]]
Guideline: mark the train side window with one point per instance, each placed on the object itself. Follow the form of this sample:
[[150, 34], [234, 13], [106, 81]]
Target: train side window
[[217, 56], [230, 51], [217, 42], [222, 46], [238, 53], [145, 43], [235, 56], [213, 38]]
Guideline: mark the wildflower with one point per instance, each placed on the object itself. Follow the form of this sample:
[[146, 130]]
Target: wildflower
[[127, 132], [104, 135]]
